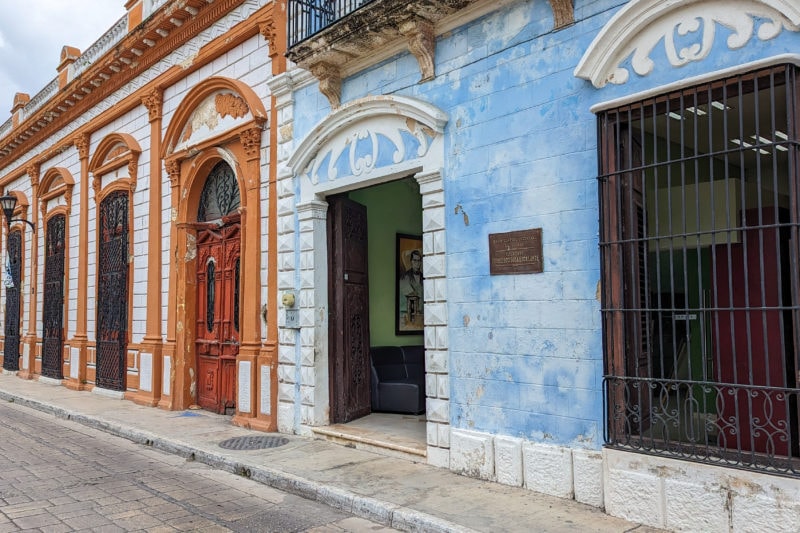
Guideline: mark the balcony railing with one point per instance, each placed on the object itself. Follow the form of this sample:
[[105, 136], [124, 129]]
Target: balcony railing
[[309, 17]]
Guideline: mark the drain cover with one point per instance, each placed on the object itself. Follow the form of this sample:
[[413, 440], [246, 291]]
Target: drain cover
[[253, 443]]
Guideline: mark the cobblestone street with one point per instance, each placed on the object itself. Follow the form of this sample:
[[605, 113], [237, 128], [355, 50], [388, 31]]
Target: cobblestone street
[[59, 476]]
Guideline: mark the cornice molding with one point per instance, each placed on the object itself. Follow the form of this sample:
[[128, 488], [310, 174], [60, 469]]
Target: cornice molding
[[638, 28], [109, 73]]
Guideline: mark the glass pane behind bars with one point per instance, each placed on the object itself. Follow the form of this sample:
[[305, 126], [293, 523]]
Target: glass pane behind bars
[[699, 253]]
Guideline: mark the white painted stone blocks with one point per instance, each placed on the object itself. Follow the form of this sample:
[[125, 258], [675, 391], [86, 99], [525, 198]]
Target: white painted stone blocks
[[684, 496], [548, 469], [587, 476], [285, 417], [432, 434], [687, 510], [436, 361], [438, 410], [439, 457], [433, 219], [508, 461], [286, 392], [435, 314], [472, 454], [444, 435], [635, 496]]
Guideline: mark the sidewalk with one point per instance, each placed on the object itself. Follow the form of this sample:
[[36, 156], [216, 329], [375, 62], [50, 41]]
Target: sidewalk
[[391, 491]]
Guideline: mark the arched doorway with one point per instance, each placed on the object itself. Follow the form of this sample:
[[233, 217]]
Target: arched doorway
[[218, 271], [11, 350], [53, 319], [112, 292]]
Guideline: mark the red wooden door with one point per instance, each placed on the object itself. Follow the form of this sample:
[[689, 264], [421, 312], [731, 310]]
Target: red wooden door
[[349, 310], [217, 326], [748, 340]]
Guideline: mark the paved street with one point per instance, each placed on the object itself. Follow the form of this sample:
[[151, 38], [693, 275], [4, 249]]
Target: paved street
[[59, 476]]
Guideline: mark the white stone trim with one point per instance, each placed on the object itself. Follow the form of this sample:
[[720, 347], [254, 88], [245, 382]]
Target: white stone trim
[[793, 59], [641, 25], [358, 111]]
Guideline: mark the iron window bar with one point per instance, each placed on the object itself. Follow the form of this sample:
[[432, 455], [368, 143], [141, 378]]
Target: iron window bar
[[699, 210]]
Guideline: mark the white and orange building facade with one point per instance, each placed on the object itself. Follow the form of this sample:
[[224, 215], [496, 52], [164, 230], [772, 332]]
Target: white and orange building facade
[[147, 170]]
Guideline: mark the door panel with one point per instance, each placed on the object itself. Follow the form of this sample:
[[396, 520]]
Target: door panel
[[53, 319], [12, 325], [217, 326], [349, 310]]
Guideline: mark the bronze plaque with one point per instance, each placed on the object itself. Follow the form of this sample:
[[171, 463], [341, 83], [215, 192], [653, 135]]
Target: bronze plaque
[[516, 252]]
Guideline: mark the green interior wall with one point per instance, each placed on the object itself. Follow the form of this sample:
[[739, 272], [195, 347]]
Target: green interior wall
[[392, 208]]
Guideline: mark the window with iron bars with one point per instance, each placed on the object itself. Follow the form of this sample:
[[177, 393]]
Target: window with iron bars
[[699, 210]]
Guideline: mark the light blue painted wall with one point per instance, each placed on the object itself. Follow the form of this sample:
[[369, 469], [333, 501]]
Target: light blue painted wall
[[521, 152]]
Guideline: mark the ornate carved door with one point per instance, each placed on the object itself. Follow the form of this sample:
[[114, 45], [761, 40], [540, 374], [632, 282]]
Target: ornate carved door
[[53, 319], [11, 351], [349, 310], [218, 269], [112, 292], [217, 333]]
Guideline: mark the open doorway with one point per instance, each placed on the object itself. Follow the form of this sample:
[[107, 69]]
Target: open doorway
[[377, 358]]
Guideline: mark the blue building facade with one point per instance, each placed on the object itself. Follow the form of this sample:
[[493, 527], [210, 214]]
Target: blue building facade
[[556, 380]]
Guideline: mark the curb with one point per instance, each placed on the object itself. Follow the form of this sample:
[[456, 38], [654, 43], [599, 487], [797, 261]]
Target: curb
[[375, 510]]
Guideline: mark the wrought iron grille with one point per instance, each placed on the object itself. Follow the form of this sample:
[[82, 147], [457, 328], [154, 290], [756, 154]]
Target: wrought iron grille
[[220, 195], [699, 254], [236, 295], [112, 292], [211, 296], [309, 17], [53, 319], [12, 325]]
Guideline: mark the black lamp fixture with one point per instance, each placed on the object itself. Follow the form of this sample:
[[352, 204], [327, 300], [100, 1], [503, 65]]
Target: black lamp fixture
[[7, 204]]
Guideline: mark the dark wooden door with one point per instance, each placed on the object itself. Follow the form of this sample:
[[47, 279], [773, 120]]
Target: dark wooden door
[[14, 276], [217, 326], [112, 292], [349, 310], [53, 319]]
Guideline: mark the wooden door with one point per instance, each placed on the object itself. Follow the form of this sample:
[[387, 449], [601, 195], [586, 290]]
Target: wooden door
[[748, 335], [112, 292], [11, 349], [349, 310], [217, 325], [53, 313]]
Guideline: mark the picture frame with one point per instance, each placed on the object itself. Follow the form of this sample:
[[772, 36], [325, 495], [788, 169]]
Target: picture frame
[[409, 295]]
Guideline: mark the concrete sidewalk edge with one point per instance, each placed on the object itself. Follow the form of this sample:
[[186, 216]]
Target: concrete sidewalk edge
[[375, 510]]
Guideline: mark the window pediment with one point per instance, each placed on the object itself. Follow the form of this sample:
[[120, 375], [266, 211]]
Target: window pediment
[[687, 30]]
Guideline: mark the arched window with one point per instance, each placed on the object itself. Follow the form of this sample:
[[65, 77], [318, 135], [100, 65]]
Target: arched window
[[220, 196]]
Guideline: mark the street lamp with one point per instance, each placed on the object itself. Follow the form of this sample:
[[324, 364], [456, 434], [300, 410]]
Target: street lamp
[[7, 204]]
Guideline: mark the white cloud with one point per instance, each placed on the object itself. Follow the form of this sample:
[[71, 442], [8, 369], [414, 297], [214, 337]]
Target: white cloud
[[32, 34]]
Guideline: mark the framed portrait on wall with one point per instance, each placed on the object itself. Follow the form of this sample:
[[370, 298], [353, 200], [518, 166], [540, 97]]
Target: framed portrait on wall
[[409, 293]]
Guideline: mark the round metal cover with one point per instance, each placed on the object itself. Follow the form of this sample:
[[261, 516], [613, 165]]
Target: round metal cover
[[253, 443]]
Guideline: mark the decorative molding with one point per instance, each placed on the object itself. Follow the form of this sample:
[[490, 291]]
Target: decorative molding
[[401, 120], [269, 32], [422, 44], [641, 25], [173, 168], [82, 144], [330, 82], [251, 140], [33, 173], [563, 13], [153, 101], [230, 104]]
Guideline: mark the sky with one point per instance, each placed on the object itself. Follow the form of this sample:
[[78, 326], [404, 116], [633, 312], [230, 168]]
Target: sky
[[32, 34]]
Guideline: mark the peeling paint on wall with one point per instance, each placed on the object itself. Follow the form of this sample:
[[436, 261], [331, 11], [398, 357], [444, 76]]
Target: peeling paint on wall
[[191, 247]]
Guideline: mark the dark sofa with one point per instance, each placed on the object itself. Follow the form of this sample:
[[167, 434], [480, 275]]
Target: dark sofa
[[398, 379]]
